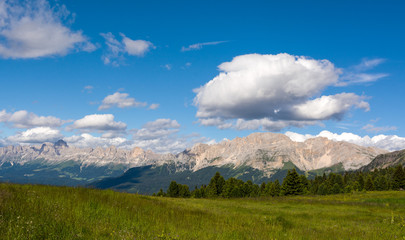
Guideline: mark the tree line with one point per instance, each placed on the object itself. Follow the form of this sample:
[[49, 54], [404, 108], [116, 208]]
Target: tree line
[[294, 184]]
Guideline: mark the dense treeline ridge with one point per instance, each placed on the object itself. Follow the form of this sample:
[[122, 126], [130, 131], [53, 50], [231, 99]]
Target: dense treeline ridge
[[294, 184]]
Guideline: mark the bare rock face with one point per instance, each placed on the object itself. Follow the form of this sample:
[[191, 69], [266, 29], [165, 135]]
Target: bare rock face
[[269, 151], [264, 151]]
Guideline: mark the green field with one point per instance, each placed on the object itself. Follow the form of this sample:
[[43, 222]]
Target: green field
[[45, 212]]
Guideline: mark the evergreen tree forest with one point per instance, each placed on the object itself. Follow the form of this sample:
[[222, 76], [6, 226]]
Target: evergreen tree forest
[[294, 184]]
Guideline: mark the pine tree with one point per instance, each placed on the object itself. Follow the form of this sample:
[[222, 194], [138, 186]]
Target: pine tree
[[398, 179], [173, 190], [247, 188], [340, 180], [216, 185], [270, 189], [160, 193], [381, 183], [360, 180], [277, 188], [305, 183], [369, 185], [229, 185], [292, 184], [336, 189], [348, 189], [356, 186], [184, 191], [196, 193], [263, 189], [323, 189]]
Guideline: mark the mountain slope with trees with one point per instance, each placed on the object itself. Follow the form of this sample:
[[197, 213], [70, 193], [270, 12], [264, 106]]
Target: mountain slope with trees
[[386, 160]]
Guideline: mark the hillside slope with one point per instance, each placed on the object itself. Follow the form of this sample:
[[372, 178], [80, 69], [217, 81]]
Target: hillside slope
[[386, 160]]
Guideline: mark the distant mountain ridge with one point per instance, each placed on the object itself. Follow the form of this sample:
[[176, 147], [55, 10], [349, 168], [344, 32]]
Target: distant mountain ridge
[[263, 152], [391, 159]]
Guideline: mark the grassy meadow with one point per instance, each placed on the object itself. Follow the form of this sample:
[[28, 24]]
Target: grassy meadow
[[46, 212]]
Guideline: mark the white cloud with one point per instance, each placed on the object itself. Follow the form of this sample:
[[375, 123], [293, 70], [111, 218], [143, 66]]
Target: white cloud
[[273, 92], [136, 47], [218, 122], [24, 119], [120, 100], [162, 136], [387, 142], [157, 129], [357, 75], [376, 129], [198, 46], [98, 122], [88, 140], [327, 107], [117, 49], [367, 64], [154, 106], [88, 89], [168, 67], [268, 124], [358, 78], [36, 135], [33, 29]]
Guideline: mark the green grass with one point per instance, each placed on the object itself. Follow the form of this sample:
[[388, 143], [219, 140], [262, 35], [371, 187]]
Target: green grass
[[45, 212]]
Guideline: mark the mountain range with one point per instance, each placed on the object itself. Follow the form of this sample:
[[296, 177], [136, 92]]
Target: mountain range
[[258, 157]]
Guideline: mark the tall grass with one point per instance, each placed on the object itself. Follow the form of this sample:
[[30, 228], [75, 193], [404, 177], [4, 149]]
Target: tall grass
[[45, 212]]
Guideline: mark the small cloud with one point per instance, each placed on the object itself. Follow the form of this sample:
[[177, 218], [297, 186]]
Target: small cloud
[[24, 119], [117, 49], [167, 66], [367, 64], [187, 65], [357, 74], [120, 100], [376, 129], [154, 106], [136, 47], [198, 46], [97, 122], [88, 89], [36, 135]]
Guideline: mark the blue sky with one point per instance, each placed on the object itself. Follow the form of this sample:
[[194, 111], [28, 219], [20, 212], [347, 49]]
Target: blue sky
[[132, 73]]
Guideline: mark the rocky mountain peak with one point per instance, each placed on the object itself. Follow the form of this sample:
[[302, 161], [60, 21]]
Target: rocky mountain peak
[[60, 144], [263, 151]]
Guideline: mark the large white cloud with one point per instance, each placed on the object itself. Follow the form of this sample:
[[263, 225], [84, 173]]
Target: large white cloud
[[98, 122], [388, 142], [32, 29], [280, 90], [117, 49], [35, 135], [120, 100], [24, 119]]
